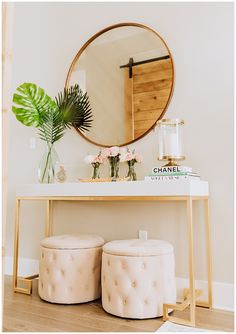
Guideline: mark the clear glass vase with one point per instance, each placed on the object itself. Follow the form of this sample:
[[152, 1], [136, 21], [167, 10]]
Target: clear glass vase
[[96, 174], [46, 170], [131, 171], [114, 164]]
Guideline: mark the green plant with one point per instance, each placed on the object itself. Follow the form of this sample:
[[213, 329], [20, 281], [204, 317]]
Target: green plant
[[33, 107]]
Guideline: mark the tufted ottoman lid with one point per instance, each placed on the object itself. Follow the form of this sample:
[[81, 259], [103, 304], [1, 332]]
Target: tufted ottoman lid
[[73, 241], [138, 247]]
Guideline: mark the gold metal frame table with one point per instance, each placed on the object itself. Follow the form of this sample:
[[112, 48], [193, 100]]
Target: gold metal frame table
[[187, 191]]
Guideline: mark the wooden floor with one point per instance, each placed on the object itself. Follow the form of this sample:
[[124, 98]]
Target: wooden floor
[[23, 313]]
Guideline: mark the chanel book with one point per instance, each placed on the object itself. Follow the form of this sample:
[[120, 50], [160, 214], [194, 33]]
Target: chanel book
[[171, 169]]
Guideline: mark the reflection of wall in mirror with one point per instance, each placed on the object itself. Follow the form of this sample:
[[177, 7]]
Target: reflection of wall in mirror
[[79, 77], [105, 82], [105, 89]]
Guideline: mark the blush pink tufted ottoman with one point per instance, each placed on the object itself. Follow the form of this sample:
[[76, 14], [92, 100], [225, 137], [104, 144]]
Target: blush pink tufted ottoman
[[70, 268], [138, 276]]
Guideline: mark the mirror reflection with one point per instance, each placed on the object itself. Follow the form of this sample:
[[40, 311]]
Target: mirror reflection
[[127, 72]]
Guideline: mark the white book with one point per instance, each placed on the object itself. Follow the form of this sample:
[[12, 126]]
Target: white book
[[171, 177]]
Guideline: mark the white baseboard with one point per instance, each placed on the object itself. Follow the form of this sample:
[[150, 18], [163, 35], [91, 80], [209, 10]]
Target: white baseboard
[[223, 293], [26, 267]]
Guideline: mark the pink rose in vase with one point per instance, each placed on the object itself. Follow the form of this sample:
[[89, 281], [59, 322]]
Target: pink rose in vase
[[131, 158], [95, 161], [113, 155]]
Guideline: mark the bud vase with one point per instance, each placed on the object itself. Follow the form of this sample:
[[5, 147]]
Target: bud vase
[[46, 170], [114, 164], [131, 172], [95, 170]]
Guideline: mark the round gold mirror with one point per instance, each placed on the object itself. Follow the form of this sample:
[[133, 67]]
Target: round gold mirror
[[127, 71]]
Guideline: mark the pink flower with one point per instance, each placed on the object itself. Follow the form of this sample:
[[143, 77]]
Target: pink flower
[[138, 158], [89, 159], [111, 151], [95, 159], [106, 152], [129, 156], [100, 159], [114, 151], [92, 159]]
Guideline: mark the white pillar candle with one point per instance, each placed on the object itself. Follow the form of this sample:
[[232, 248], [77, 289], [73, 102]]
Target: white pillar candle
[[160, 144], [172, 147]]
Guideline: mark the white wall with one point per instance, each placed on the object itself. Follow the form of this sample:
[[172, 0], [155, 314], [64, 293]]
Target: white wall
[[200, 37]]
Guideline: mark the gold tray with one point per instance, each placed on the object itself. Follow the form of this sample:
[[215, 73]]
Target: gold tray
[[104, 179]]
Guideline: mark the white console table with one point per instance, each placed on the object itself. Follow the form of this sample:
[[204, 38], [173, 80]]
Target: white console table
[[176, 190]]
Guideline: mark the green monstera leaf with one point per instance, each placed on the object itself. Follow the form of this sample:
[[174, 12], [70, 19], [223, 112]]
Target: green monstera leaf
[[31, 104]]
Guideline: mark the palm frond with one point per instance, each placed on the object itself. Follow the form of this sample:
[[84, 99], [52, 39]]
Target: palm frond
[[52, 129], [75, 108]]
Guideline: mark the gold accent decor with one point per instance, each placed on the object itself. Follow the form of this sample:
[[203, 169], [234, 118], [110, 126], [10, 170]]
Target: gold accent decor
[[172, 121], [104, 179], [158, 92], [171, 160], [190, 294]]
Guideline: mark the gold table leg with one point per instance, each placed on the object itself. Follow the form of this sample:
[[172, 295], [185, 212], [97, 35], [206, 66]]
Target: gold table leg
[[191, 262], [48, 223], [208, 303], [208, 249], [48, 231], [191, 298], [190, 295], [28, 282], [16, 245]]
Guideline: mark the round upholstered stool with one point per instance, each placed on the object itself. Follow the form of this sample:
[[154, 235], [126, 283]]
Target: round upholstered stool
[[138, 276], [70, 268]]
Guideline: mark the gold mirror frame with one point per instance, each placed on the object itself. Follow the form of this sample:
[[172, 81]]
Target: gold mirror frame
[[90, 41]]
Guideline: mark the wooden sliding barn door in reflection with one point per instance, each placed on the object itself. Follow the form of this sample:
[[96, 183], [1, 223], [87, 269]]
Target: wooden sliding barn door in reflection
[[147, 90]]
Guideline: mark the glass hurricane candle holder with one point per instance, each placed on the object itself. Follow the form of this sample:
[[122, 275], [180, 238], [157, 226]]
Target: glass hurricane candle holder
[[170, 146]]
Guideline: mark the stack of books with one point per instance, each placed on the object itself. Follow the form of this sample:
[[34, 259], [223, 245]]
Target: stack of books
[[172, 173]]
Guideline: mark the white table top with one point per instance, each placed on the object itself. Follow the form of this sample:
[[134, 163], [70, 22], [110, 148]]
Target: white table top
[[106, 189]]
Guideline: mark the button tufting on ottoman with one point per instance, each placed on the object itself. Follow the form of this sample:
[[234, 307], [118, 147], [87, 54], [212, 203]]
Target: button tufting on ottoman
[[138, 277], [70, 268]]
